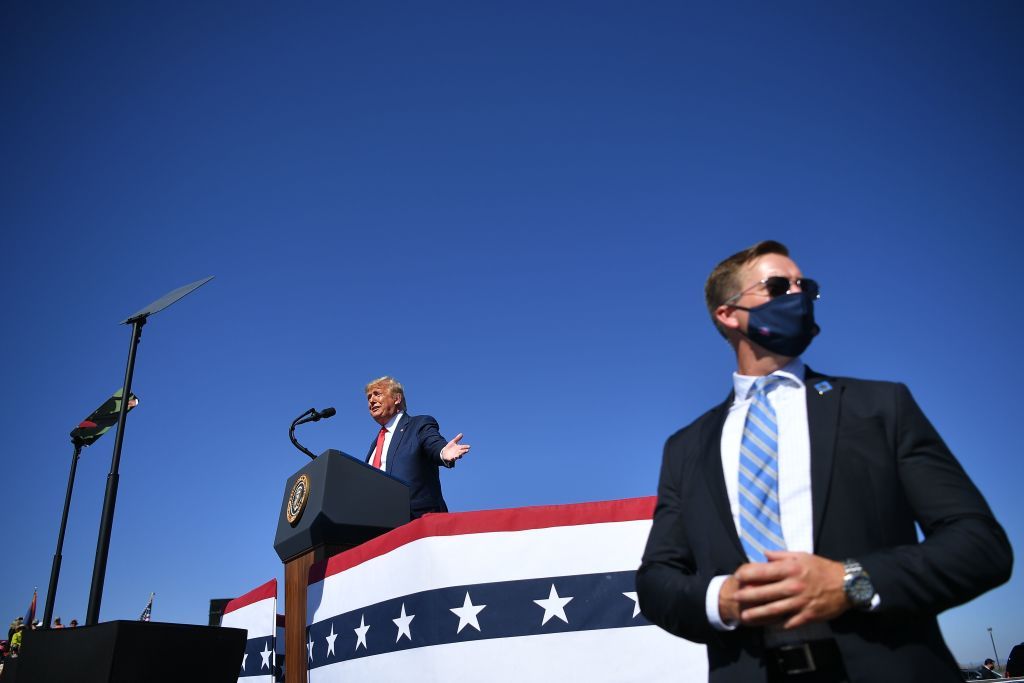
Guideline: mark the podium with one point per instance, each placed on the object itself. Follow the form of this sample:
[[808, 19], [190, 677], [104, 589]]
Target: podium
[[334, 503]]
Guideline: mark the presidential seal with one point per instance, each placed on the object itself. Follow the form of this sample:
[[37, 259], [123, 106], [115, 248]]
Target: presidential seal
[[297, 499]]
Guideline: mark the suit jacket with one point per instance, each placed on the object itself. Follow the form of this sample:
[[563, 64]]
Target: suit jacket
[[414, 455], [877, 468]]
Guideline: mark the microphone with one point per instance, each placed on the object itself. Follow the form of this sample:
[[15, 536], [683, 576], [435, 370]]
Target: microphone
[[324, 414], [314, 415], [311, 415]]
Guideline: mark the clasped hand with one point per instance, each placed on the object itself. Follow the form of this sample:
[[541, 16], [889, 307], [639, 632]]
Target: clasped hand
[[791, 589]]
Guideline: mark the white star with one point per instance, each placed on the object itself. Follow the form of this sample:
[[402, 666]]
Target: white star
[[636, 602], [244, 657], [402, 623], [330, 641], [309, 648], [266, 655], [361, 633], [554, 606], [467, 614]]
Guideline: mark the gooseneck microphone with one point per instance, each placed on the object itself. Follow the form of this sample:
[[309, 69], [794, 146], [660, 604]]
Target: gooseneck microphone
[[311, 415]]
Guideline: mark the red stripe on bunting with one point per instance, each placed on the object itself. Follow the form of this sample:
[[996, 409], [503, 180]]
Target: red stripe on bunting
[[267, 590], [486, 521]]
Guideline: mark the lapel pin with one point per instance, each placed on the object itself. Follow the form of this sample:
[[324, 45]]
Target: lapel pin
[[822, 388]]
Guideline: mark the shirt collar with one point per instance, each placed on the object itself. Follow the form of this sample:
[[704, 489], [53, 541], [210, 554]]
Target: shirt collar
[[390, 426], [792, 373]]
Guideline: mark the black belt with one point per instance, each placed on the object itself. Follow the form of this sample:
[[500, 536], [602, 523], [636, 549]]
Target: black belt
[[818, 659]]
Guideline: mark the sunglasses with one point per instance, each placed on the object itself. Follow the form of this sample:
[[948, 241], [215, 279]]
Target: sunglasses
[[777, 285]]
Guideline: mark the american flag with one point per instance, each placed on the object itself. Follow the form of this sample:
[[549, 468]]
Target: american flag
[[542, 593], [30, 613], [148, 612]]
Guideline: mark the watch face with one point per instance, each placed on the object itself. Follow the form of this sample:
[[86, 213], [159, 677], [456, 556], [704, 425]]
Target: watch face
[[860, 590]]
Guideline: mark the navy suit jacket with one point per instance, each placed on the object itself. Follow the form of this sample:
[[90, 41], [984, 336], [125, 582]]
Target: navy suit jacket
[[878, 467], [414, 455]]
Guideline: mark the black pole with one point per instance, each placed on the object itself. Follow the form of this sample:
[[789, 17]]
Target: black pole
[[99, 569], [992, 638], [51, 592]]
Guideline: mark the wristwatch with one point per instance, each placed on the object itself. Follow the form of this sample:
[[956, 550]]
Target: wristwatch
[[857, 585]]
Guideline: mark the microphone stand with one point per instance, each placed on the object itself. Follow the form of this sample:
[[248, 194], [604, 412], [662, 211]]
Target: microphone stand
[[308, 416]]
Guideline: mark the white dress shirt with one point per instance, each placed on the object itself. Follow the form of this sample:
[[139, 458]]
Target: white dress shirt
[[390, 427], [789, 400]]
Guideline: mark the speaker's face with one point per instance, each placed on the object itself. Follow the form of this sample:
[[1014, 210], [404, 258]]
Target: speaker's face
[[382, 403]]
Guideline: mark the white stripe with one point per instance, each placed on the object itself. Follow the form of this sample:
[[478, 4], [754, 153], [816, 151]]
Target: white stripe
[[434, 561], [258, 618]]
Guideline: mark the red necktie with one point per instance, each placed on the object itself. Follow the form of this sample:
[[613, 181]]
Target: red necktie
[[380, 447]]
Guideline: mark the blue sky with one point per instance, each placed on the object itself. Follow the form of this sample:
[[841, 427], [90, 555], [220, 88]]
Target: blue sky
[[512, 209]]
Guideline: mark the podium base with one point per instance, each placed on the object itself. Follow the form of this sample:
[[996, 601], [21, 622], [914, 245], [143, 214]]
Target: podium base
[[122, 651]]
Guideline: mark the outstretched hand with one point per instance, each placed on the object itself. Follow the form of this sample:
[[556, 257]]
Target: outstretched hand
[[454, 450]]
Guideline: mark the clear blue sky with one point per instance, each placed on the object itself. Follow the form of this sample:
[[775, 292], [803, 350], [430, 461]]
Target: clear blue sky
[[510, 207]]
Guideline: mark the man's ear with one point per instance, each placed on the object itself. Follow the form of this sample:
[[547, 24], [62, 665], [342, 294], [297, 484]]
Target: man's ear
[[726, 317]]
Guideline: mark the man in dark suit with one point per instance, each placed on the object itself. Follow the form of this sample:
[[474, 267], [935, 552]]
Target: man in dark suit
[[410, 447], [987, 671], [784, 535], [1015, 662]]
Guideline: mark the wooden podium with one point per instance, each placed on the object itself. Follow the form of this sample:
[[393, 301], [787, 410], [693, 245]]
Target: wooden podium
[[333, 503]]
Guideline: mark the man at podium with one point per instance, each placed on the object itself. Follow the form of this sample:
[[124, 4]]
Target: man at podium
[[410, 447]]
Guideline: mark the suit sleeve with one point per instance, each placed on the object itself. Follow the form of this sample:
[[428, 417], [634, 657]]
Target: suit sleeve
[[965, 551], [428, 433], [670, 592]]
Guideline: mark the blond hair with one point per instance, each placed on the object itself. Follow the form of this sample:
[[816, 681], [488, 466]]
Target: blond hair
[[393, 385]]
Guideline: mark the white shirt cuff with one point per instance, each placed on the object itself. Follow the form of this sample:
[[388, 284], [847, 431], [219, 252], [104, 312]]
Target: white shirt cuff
[[711, 605]]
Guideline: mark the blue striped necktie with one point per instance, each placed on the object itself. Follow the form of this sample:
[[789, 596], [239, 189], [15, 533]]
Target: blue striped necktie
[[760, 525]]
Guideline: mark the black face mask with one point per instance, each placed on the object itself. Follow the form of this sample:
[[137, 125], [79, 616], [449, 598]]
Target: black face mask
[[785, 325]]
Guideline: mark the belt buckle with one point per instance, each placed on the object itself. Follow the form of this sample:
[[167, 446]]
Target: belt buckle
[[795, 659]]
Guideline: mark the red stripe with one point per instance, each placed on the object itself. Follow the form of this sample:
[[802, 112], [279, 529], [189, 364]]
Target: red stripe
[[267, 590], [486, 521]]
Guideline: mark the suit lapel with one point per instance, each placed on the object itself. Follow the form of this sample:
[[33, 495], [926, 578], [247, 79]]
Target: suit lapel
[[396, 439], [711, 450], [824, 396]]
